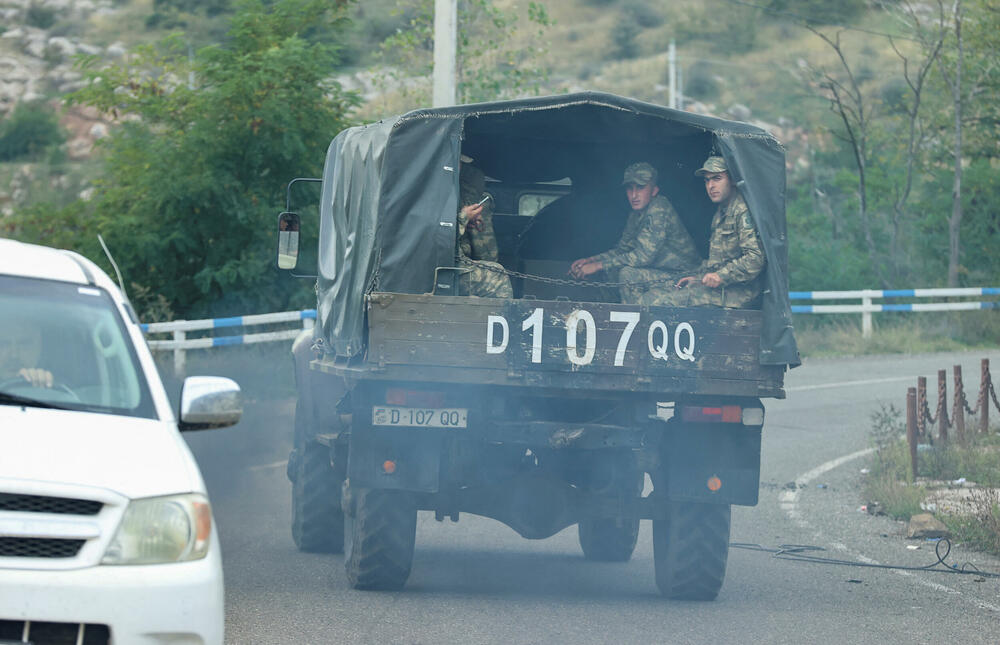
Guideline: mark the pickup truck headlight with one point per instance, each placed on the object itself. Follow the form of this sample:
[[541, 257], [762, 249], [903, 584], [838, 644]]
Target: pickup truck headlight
[[158, 530]]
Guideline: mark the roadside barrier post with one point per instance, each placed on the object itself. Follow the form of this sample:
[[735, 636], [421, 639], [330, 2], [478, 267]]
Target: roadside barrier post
[[866, 314], [984, 397], [911, 428], [180, 355], [942, 407], [959, 405], [921, 406]]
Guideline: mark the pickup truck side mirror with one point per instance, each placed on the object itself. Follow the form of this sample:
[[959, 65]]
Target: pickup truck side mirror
[[288, 240], [209, 402]]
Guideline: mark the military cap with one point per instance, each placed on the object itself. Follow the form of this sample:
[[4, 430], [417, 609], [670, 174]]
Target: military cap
[[711, 166], [640, 173]]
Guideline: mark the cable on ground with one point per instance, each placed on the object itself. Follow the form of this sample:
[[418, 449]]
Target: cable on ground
[[803, 553]]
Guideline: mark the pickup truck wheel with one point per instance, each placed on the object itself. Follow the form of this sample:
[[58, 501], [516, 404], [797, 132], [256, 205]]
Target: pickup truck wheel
[[690, 549], [609, 540], [379, 540], [317, 519]]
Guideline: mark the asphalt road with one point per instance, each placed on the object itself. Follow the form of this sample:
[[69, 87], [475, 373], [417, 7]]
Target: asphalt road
[[479, 582]]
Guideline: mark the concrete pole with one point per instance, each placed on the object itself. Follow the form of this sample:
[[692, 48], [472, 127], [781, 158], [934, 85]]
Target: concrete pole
[[445, 44], [680, 87], [672, 74]]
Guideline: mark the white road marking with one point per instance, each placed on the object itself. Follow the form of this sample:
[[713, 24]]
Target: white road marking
[[788, 501], [870, 381]]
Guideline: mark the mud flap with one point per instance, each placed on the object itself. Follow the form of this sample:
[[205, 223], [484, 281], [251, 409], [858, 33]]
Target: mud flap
[[699, 457], [415, 455]]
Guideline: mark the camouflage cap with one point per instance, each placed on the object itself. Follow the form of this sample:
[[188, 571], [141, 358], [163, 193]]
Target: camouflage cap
[[711, 166], [640, 173]]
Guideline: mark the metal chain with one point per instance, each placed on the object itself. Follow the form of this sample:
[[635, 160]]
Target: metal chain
[[965, 403], [559, 281], [926, 411], [993, 392]]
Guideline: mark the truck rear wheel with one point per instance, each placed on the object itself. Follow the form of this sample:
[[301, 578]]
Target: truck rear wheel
[[609, 540], [379, 539], [690, 549], [317, 519]]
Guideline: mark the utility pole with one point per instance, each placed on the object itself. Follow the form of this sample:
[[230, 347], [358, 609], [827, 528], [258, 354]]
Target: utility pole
[[445, 44], [672, 74]]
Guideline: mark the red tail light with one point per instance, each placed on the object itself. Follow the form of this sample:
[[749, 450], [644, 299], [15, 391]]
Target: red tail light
[[712, 414]]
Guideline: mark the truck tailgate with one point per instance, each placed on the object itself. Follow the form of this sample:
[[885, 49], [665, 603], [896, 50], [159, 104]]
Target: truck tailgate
[[569, 345]]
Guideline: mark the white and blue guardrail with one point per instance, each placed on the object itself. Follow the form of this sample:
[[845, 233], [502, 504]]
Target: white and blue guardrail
[[179, 328], [179, 343], [867, 307]]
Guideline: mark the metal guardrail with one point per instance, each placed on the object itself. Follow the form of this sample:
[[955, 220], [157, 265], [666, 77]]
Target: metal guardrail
[[867, 307], [180, 343]]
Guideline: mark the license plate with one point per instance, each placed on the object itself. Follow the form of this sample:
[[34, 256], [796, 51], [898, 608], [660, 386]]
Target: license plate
[[386, 415]]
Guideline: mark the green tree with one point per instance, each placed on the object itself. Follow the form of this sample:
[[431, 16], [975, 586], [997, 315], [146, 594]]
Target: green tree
[[195, 174], [492, 59]]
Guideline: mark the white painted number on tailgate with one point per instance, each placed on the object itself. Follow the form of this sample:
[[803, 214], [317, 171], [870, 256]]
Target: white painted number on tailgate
[[658, 336]]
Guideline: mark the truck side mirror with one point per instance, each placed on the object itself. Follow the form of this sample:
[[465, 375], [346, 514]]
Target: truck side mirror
[[288, 240]]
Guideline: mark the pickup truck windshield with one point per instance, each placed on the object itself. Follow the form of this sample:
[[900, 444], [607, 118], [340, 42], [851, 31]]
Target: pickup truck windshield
[[64, 345]]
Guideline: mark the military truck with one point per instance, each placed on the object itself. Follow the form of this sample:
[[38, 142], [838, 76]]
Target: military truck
[[560, 406]]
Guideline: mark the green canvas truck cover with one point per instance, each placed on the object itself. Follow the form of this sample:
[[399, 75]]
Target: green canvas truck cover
[[390, 191]]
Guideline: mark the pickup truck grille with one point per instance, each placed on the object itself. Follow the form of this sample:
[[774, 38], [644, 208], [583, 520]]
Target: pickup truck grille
[[44, 504], [44, 633], [16, 547]]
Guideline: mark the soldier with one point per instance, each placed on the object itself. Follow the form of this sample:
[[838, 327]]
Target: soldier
[[655, 245], [732, 274], [477, 243]]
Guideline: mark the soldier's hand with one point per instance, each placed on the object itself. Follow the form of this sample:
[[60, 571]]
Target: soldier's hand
[[711, 280], [683, 282], [574, 268], [36, 376], [473, 214], [587, 268]]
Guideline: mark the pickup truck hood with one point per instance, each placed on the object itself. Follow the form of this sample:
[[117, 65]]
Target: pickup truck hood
[[131, 456]]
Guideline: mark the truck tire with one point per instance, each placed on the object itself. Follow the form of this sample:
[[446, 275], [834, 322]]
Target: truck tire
[[379, 540], [317, 519], [690, 549], [609, 540]]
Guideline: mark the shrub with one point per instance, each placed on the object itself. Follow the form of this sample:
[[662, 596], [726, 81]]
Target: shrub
[[700, 83], [40, 17], [623, 36], [31, 129], [642, 13]]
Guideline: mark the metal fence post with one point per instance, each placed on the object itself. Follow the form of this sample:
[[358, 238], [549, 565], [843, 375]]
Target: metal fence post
[[911, 428], [180, 355], [959, 406]]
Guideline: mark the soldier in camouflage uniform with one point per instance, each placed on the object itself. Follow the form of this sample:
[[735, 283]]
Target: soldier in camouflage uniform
[[732, 276], [477, 243], [655, 245]]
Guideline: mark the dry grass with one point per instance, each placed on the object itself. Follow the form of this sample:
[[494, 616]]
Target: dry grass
[[896, 334]]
